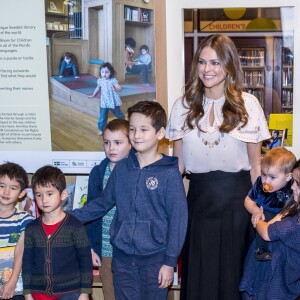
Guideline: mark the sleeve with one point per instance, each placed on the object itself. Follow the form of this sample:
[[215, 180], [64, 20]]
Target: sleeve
[[27, 218], [287, 231], [84, 259], [254, 192], [74, 69], [176, 208], [27, 261], [256, 130], [95, 189], [99, 206], [148, 60], [176, 128], [62, 67], [114, 81]]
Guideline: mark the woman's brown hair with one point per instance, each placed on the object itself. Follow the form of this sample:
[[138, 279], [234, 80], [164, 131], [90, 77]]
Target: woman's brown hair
[[233, 110]]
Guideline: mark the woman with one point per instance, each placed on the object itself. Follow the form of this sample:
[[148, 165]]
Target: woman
[[217, 131]]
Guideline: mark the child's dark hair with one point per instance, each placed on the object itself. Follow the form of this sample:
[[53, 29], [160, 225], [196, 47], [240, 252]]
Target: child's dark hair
[[118, 125], [14, 172], [130, 42], [152, 110], [292, 207], [145, 47], [110, 68], [67, 55], [49, 175]]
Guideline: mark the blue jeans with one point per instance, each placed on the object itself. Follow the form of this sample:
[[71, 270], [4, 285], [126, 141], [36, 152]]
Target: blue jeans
[[132, 282], [139, 69], [104, 113]]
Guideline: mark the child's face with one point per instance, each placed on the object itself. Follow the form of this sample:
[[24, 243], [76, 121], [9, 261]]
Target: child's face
[[273, 178], [67, 60], [296, 184], [142, 134], [116, 145], [48, 198], [144, 51], [10, 191], [105, 73]]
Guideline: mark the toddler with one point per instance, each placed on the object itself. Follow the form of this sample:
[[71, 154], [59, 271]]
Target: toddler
[[110, 100], [68, 66], [270, 192], [279, 278]]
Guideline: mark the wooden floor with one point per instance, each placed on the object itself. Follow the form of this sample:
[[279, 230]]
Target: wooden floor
[[72, 130]]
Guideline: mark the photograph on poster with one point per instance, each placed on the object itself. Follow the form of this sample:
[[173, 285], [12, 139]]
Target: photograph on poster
[[92, 37], [47, 108]]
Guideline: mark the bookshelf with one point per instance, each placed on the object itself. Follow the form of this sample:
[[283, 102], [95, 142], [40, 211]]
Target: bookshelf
[[138, 15], [253, 65], [284, 76], [56, 16], [267, 68]]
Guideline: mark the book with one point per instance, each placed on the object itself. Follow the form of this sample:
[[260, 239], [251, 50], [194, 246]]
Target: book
[[67, 204], [28, 204], [135, 15], [80, 193]]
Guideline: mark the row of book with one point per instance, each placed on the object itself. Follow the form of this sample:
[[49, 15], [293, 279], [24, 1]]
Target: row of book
[[77, 197], [137, 14], [259, 94], [252, 57], [254, 78], [287, 77], [287, 98]]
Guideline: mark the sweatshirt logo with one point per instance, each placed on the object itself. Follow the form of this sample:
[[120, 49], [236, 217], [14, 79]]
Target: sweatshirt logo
[[151, 183]]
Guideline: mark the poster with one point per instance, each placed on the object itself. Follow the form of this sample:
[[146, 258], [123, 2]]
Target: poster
[[25, 131], [28, 127], [24, 116]]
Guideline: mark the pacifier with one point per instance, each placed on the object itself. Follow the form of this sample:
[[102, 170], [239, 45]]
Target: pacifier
[[267, 187]]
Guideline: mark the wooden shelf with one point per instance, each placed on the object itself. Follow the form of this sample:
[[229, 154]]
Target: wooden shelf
[[138, 23], [249, 67], [56, 15]]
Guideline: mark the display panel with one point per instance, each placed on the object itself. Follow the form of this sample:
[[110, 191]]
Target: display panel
[[43, 119]]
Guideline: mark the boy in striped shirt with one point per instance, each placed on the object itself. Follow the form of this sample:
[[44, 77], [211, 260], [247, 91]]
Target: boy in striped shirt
[[13, 184]]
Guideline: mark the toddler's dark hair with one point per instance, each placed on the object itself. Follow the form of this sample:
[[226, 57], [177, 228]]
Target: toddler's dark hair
[[49, 176], [14, 172], [67, 55], [145, 47], [152, 110], [292, 207], [118, 125], [110, 68]]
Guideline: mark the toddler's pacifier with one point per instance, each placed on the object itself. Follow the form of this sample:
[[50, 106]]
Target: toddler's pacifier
[[267, 187]]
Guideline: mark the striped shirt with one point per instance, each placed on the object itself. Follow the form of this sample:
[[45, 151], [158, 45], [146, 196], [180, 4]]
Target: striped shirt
[[10, 231]]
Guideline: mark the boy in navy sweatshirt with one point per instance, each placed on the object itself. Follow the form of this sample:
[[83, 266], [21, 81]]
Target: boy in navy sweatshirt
[[149, 226]]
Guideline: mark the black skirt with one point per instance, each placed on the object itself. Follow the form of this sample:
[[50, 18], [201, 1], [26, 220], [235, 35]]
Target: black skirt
[[218, 237]]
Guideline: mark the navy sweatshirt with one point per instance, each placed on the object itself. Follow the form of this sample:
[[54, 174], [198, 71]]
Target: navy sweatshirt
[[151, 217]]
